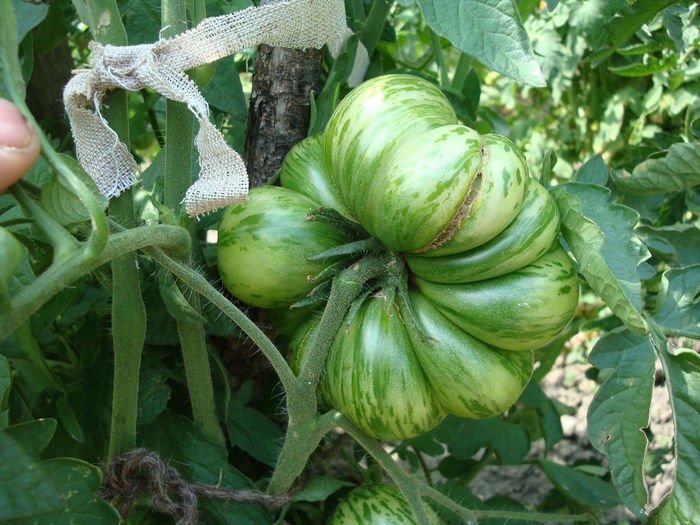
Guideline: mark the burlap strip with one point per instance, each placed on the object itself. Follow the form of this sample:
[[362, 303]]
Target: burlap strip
[[160, 66]]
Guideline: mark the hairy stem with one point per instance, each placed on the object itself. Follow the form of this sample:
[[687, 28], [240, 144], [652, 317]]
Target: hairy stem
[[179, 131], [346, 286], [60, 275], [299, 443], [410, 487], [439, 59], [128, 309], [199, 284]]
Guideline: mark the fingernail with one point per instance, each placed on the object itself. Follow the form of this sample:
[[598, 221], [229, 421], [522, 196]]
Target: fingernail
[[14, 128]]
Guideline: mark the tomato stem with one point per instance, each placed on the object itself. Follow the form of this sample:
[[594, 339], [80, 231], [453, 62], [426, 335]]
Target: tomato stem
[[346, 286], [61, 274]]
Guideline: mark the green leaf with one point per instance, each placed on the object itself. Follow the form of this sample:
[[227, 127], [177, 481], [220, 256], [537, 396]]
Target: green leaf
[[464, 438], [67, 416], [13, 82], [673, 24], [682, 369], [25, 489], [64, 205], [489, 30], [251, 430], [11, 252], [601, 237], [179, 441], [590, 15], [646, 68], [594, 171], [177, 304], [550, 421], [142, 20], [682, 243], [677, 171], [620, 410], [154, 393], [34, 436], [549, 160], [29, 16], [319, 488], [79, 482], [679, 302], [625, 24], [586, 489], [225, 92]]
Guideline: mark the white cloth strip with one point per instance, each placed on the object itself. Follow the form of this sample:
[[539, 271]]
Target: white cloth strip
[[161, 66]]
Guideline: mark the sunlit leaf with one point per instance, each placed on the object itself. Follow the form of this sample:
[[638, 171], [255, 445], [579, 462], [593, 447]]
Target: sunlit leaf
[[489, 30], [601, 236], [682, 369], [679, 300], [620, 410], [677, 171]]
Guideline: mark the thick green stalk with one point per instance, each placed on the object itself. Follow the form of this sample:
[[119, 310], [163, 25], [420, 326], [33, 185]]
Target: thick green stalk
[[199, 284], [179, 128], [198, 374], [59, 276], [179, 123], [300, 440], [299, 443], [439, 58], [346, 286], [358, 10], [464, 66], [128, 336], [372, 30], [128, 309]]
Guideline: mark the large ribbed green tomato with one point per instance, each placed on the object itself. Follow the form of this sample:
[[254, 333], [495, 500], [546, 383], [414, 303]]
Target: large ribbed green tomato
[[488, 279]]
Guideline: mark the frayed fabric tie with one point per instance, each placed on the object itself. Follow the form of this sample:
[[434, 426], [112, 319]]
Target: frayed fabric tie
[[161, 66]]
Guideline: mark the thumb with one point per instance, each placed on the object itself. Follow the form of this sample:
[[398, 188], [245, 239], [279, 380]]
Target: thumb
[[19, 145]]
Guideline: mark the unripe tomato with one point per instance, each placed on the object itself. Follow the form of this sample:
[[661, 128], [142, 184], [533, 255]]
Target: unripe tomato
[[264, 244], [376, 505]]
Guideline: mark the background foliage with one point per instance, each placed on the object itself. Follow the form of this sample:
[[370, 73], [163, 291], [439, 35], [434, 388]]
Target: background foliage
[[604, 99]]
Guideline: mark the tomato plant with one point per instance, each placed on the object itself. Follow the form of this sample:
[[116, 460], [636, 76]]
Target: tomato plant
[[444, 195], [483, 257]]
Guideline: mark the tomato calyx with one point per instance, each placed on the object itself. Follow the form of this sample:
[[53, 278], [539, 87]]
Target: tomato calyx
[[351, 229]]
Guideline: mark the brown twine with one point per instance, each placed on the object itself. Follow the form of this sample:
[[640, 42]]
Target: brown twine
[[133, 471]]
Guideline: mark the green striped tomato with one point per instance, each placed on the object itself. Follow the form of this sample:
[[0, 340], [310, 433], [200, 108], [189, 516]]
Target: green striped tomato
[[376, 505], [489, 281], [264, 243]]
